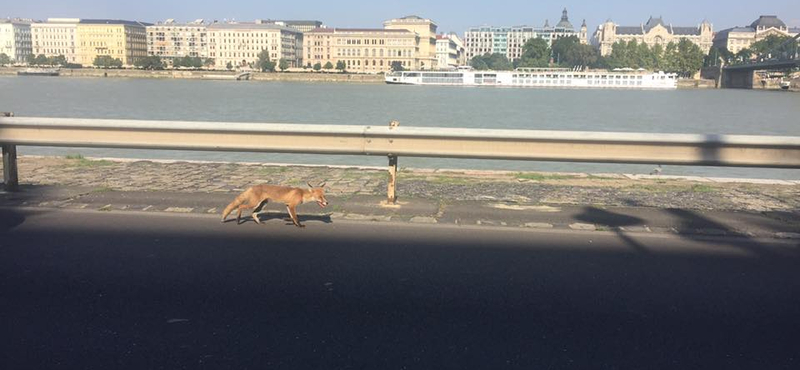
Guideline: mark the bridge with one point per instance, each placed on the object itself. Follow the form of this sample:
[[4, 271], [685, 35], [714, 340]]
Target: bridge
[[743, 75]]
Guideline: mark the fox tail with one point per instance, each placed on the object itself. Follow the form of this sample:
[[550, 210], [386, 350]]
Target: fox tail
[[241, 198]]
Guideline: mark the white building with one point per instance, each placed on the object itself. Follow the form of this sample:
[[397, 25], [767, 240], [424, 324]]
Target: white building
[[171, 40], [509, 40], [654, 32], [57, 36], [738, 38], [449, 51], [15, 39], [239, 43]]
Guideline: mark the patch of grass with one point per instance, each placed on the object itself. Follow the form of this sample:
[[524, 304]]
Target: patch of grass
[[79, 160], [699, 188], [541, 177], [447, 180], [102, 189]]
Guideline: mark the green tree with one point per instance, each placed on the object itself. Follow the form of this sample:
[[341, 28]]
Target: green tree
[[328, 66], [341, 66], [562, 46], [30, 59], [397, 66], [774, 45], [4, 59], [687, 58], [495, 62], [317, 66], [536, 53], [229, 66], [264, 64], [150, 62], [283, 64], [105, 61], [188, 62], [41, 60], [479, 63], [208, 62], [581, 56], [59, 60]]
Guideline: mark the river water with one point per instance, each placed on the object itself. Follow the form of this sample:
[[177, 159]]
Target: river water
[[677, 111]]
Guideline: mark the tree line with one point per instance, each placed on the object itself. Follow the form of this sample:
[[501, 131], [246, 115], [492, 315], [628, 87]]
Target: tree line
[[684, 57], [772, 46]]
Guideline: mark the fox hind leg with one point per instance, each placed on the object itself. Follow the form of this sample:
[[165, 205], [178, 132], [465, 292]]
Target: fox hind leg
[[258, 209]]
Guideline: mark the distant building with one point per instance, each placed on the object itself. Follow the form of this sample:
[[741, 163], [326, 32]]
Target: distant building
[[654, 32], [425, 29], [118, 39], [171, 40], [302, 26], [239, 43], [57, 36], [449, 51], [15, 39], [509, 40], [362, 50], [737, 38]]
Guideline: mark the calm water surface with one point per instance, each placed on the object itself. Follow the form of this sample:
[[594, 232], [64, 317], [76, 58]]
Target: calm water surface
[[679, 111]]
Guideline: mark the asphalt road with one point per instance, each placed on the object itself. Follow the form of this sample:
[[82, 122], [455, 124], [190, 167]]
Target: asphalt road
[[125, 290]]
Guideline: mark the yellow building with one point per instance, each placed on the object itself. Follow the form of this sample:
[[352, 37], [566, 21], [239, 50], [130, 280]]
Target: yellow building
[[426, 31], [362, 50], [118, 39]]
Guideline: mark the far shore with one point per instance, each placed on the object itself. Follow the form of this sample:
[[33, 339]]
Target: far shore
[[292, 76]]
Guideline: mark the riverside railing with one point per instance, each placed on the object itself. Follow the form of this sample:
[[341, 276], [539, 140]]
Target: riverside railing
[[394, 141]]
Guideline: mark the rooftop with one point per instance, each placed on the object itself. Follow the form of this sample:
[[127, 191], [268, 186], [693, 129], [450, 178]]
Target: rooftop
[[114, 21], [768, 21]]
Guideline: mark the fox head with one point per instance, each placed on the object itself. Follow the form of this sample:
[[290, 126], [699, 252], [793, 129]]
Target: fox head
[[318, 194]]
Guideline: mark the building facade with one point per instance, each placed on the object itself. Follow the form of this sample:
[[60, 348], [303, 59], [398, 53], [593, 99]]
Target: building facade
[[118, 39], [449, 51], [15, 39], [362, 50], [738, 38], [510, 40], [425, 30], [170, 40], [654, 32], [57, 36], [239, 44]]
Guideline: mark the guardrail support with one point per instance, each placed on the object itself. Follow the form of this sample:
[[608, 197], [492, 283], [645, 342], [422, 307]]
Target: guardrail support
[[10, 167], [391, 195], [10, 177]]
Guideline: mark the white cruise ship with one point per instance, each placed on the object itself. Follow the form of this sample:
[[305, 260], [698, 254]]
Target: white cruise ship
[[539, 77]]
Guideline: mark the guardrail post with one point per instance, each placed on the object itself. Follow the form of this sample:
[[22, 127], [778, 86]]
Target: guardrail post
[[391, 195], [10, 167], [10, 177]]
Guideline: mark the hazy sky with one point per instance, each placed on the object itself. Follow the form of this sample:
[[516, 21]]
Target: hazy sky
[[455, 16]]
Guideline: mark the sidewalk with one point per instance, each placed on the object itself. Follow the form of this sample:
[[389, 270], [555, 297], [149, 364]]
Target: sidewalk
[[533, 200]]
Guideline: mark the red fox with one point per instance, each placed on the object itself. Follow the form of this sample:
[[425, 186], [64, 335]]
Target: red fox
[[257, 196]]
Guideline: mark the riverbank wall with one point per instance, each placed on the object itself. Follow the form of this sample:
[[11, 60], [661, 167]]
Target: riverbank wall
[[213, 75]]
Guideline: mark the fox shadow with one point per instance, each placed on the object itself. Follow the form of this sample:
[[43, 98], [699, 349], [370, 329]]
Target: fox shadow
[[268, 216]]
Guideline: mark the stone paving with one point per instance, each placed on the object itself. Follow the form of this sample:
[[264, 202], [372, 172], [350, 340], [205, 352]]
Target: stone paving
[[608, 190]]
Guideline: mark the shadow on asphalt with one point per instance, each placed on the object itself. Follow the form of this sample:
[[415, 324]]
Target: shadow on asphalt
[[207, 297], [616, 222], [268, 216]]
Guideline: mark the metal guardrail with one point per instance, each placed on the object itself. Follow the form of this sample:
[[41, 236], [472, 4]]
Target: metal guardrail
[[394, 141]]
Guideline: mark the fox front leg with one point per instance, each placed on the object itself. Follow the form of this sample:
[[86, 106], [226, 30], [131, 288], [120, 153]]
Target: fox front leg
[[293, 215]]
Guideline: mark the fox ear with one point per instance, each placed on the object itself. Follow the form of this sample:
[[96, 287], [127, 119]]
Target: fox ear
[[309, 184], [322, 185]]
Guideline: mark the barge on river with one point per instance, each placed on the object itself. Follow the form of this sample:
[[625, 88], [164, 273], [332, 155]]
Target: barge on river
[[539, 77]]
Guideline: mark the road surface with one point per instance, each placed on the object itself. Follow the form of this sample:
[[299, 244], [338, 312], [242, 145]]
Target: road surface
[[128, 290]]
